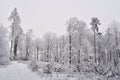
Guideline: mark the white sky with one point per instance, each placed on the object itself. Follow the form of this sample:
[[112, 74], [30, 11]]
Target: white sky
[[51, 15]]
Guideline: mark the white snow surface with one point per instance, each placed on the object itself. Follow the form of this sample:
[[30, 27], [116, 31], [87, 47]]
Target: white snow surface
[[17, 71], [20, 71]]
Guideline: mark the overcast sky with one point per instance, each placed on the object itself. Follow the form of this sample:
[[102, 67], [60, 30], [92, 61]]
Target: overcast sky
[[51, 15]]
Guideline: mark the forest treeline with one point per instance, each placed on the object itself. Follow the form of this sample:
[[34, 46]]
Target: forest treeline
[[85, 48]]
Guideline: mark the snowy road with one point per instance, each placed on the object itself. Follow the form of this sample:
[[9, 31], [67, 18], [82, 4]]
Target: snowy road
[[17, 71]]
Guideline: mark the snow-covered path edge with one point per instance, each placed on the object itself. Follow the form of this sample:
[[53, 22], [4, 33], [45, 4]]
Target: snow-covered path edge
[[17, 71]]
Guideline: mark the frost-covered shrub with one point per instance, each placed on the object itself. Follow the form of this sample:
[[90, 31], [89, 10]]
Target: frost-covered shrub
[[33, 65], [44, 67], [47, 69], [85, 67], [4, 61], [56, 67]]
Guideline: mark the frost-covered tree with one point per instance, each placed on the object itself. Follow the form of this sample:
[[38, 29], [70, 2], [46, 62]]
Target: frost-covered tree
[[108, 44], [108, 57], [112, 42], [49, 43], [29, 43], [81, 47], [61, 46], [4, 49], [95, 22], [55, 50], [79, 37], [22, 47], [38, 46], [114, 27], [76, 32], [16, 31], [71, 24]]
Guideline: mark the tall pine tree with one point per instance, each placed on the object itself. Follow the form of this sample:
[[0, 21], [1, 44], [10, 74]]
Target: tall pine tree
[[16, 31]]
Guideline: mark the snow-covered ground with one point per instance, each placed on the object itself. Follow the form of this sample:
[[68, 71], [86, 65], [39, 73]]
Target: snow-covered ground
[[20, 71], [17, 71]]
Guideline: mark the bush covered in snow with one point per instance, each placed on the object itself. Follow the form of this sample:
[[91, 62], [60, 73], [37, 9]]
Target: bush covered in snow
[[33, 65]]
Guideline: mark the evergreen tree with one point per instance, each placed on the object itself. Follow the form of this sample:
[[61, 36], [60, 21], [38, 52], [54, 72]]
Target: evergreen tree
[[16, 31]]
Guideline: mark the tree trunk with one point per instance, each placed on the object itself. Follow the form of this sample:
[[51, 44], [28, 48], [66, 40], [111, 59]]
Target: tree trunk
[[48, 55], [27, 53], [11, 50], [99, 51], [37, 53], [15, 48], [70, 61], [80, 40], [60, 54], [116, 38], [95, 46], [78, 57]]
